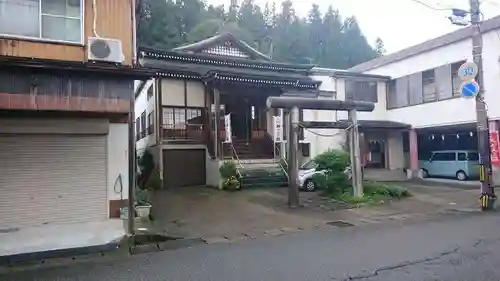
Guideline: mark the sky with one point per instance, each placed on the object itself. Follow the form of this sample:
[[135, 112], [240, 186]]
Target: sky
[[400, 23]]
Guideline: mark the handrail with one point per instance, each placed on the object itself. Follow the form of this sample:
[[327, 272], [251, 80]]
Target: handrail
[[283, 168], [278, 149], [237, 158]]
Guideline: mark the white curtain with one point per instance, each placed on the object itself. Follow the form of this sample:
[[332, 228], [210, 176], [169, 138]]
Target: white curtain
[[20, 17]]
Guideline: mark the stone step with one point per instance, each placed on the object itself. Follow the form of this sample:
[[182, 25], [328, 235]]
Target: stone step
[[264, 180], [259, 161]]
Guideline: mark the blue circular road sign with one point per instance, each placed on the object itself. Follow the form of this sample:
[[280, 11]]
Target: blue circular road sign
[[469, 89]]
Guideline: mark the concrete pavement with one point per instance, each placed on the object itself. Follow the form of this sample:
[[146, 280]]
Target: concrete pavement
[[376, 252]]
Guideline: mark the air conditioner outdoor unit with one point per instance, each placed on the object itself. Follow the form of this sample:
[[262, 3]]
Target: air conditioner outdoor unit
[[105, 49]]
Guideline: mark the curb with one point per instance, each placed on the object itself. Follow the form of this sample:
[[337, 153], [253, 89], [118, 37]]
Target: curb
[[111, 250], [41, 256]]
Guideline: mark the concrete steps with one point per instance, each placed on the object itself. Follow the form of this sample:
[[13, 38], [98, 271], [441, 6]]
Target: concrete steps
[[258, 173]]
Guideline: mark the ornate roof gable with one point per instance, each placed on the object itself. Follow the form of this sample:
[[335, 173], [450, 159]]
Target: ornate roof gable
[[224, 45]]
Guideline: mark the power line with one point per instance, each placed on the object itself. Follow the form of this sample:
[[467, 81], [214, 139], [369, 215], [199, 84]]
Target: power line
[[430, 7]]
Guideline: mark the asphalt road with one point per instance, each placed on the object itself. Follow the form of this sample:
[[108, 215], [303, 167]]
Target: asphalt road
[[465, 247]]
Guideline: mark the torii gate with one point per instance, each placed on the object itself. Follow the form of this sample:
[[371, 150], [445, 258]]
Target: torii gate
[[291, 106]]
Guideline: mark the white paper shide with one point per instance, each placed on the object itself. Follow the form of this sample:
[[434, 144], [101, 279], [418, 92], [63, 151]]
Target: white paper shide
[[227, 126]]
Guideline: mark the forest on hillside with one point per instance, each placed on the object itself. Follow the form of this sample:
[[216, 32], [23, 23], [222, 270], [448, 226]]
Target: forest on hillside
[[327, 40]]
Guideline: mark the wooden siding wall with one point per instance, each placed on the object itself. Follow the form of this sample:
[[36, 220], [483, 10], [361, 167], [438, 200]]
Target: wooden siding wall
[[114, 20], [66, 92]]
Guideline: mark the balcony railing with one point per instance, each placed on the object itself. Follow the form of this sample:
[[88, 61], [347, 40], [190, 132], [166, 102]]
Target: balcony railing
[[183, 132]]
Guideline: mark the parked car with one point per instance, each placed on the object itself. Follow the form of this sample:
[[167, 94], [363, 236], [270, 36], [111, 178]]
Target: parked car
[[460, 164], [307, 172]]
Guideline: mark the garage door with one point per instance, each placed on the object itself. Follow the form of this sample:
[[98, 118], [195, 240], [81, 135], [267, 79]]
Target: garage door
[[49, 179], [183, 167]]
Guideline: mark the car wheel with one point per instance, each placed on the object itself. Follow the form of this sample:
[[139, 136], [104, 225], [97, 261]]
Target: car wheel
[[461, 176], [425, 173], [309, 186]]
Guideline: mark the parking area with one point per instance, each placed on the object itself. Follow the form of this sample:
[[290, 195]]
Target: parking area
[[200, 212]]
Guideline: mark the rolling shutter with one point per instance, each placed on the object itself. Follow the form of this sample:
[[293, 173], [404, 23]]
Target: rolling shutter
[[50, 179]]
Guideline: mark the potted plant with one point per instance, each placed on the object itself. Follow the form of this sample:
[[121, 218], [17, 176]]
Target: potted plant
[[232, 184], [142, 205], [229, 175], [152, 183]]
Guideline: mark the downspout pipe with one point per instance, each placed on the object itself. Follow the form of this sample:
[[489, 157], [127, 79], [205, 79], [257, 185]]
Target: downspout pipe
[[132, 163], [133, 10]]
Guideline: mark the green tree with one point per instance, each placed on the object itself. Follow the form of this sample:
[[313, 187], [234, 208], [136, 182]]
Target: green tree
[[328, 40], [251, 19], [316, 34], [379, 46], [157, 24], [355, 48], [332, 45]]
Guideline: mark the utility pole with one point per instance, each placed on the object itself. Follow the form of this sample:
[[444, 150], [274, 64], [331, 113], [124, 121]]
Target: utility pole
[[293, 161], [357, 178], [488, 196]]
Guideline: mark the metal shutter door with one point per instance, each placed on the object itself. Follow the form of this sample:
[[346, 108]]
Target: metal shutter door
[[46, 179]]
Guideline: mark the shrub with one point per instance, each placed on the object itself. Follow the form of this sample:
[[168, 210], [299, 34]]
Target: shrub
[[228, 170], [154, 181], [378, 189], [146, 165], [334, 162]]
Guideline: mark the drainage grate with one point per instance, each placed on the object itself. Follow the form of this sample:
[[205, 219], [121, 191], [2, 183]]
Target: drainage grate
[[339, 224], [9, 230]]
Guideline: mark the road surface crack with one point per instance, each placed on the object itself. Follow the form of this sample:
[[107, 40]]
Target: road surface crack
[[377, 271]]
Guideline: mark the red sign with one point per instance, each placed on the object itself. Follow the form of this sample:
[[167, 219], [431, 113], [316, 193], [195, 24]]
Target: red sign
[[494, 148]]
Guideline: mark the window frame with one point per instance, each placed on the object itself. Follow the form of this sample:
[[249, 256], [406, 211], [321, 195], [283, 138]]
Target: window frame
[[186, 114], [138, 128], [429, 79], [150, 92], [150, 123], [143, 124], [390, 92], [353, 85], [41, 39]]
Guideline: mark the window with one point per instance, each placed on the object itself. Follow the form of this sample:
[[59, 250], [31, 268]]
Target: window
[[429, 86], [178, 117], [391, 94], [444, 156], [415, 89], [150, 128], [143, 124], [462, 156], [137, 128], [150, 92], [59, 20], [361, 91], [182, 123], [308, 165], [473, 156], [455, 80], [403, 91]]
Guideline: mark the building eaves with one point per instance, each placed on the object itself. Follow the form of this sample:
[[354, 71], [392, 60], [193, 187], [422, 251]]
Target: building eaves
[[426, 46], [339, 73]]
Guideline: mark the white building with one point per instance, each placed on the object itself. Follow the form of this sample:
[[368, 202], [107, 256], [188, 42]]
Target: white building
[[382, 139], [424, 90]]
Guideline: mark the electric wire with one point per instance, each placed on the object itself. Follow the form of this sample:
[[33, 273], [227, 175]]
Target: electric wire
[[430, 6]]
